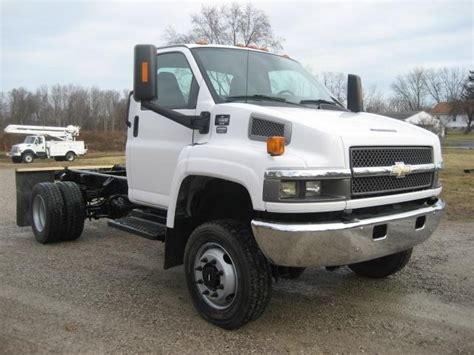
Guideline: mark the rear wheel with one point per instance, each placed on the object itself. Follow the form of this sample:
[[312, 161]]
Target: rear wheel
[[382, 267], [75, 209], [28, 157], [70, 156], [48, 217], [228, 277]]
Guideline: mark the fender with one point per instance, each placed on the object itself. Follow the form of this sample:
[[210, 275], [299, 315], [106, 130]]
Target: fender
[[216, 168]]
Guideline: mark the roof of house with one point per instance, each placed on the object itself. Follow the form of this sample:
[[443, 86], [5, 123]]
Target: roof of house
[[442, 108]]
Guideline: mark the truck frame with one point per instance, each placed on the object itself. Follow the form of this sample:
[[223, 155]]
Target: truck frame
[[249, 171]]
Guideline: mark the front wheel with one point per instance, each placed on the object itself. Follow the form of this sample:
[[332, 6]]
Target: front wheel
[[28, 157], [382, 267], [228, 277]]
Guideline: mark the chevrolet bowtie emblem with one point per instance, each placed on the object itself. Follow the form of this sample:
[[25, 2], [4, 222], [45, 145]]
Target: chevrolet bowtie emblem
[[400, 170]]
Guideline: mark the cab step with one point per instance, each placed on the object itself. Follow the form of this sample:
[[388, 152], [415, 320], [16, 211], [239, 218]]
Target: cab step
[[144, 223]]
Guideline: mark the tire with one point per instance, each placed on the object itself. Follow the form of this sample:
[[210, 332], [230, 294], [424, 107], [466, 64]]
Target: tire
[[290, 273], [228, 247], [47, 212], [70, 156], [75, 210], [27, 157], [16, 160], [382, 267]]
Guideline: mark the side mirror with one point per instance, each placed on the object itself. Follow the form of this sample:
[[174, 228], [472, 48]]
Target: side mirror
[[144, 74], [354, 93]]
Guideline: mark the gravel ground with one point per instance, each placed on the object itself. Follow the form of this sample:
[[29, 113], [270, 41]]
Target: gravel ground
[[107, 292]]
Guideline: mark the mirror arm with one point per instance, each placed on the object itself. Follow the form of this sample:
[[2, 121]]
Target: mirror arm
[[200, 122]]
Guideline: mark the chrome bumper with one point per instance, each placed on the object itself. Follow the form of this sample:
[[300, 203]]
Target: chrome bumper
[[342, 243]]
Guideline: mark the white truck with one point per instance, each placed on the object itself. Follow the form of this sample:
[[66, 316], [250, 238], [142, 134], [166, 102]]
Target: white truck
[[46, 142], [249, 170]]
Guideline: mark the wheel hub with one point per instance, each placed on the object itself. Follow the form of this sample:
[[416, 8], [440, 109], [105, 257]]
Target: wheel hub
[[215, 275], [210, 276]]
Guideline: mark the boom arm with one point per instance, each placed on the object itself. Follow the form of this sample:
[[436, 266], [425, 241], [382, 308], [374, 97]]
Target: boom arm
[[64, 133]]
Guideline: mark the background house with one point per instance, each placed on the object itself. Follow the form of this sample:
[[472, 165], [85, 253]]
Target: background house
[[419, 118], [444, 113]]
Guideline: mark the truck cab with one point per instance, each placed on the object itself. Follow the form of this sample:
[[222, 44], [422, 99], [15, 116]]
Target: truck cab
[[249, 170]]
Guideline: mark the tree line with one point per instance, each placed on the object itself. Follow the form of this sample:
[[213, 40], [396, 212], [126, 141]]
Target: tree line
[[92, 109], [233, 24]]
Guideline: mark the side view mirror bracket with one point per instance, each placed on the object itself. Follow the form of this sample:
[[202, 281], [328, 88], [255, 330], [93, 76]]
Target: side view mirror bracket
[[200, 122]]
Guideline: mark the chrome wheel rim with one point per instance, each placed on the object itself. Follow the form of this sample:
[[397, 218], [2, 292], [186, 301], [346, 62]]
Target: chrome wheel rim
[[39, 213], [215, 276], [28, 158], [69, 157]]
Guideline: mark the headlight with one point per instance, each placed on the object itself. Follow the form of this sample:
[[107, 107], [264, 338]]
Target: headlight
[[288, 189], [300, 189], [312, 189]]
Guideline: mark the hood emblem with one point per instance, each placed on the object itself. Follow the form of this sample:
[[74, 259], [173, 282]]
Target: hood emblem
[[400, 170]]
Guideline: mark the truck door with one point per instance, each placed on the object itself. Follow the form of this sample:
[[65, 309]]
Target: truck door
[[155, 142], [40, 146]]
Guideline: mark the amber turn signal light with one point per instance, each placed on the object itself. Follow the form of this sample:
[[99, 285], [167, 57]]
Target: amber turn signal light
[[144, 72], [276, 146]]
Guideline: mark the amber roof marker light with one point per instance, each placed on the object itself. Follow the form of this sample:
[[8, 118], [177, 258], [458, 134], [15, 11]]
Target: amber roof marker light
[[276, 146]]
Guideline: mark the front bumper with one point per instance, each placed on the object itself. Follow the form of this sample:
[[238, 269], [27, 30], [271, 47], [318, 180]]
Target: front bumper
[[343, 243]]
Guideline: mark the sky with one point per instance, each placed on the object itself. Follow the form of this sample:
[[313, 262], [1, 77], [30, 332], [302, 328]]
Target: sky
[[90, 43]]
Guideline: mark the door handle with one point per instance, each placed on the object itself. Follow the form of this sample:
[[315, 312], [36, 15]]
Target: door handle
[[135, 126]]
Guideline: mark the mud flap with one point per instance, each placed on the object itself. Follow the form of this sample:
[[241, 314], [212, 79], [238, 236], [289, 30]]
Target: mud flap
[[26, 179]]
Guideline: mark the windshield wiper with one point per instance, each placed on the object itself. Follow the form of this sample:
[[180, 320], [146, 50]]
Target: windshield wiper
[[261, 98], [318, 101]]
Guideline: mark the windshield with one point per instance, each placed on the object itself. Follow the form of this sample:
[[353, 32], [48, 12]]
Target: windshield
[[237, 74], [30, 140]]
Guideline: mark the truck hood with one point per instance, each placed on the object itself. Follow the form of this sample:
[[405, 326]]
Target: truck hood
[[357, 127], [313, 130]]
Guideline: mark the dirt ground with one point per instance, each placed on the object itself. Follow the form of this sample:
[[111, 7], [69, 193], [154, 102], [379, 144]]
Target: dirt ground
[[107, 292]]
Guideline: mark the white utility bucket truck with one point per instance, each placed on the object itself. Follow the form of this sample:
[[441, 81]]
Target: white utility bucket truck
[[46, 142], [249, 170]]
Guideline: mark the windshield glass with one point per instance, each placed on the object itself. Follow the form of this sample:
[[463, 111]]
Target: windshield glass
[[238, 74], [30, 140]]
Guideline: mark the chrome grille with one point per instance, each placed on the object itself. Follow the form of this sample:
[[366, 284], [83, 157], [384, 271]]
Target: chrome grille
[[362, 157], [264, 128], [384, 185], [369, 186]]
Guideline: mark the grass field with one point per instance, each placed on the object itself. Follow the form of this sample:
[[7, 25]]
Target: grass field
[[458, 186]]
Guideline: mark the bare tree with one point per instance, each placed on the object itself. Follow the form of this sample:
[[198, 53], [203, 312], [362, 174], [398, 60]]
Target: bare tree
[[374, 101], [410, 90], [336, 83], [229, 24], [445, 84]]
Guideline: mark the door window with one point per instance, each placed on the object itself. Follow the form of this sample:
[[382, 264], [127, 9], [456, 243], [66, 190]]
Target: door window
[[177, 87]]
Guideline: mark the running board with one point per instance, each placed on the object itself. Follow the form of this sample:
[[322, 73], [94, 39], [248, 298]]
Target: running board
[[142, 223]]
